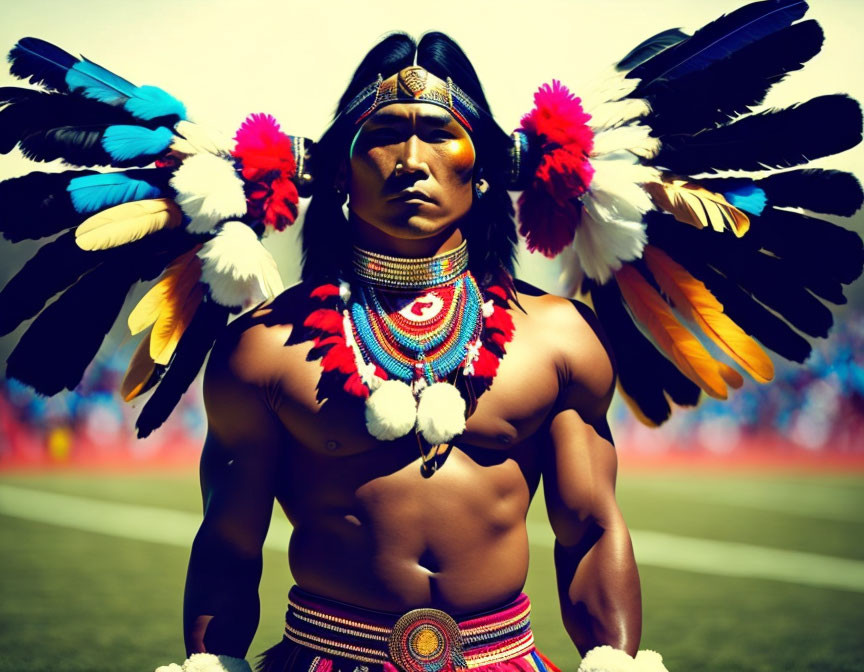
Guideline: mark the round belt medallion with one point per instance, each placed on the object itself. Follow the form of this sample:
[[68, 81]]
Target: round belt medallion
[[426, 640]]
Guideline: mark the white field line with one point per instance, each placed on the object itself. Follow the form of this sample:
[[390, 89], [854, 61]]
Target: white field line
[[178, 528]]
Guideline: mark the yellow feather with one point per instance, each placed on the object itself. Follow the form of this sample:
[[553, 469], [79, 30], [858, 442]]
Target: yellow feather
[[140, 368], [695, 302], [692, 204], [146, 311], [175, 316], [730, 375], [682, 347], [126, 223]]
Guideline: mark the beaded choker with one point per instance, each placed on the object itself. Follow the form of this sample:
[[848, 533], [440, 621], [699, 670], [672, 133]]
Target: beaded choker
[[408, 273]]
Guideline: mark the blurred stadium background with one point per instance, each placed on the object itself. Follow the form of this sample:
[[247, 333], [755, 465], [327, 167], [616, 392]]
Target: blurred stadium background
[[747, 515]]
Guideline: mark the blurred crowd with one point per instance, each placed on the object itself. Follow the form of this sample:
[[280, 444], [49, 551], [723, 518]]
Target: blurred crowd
[[92, 423], [816, 407]]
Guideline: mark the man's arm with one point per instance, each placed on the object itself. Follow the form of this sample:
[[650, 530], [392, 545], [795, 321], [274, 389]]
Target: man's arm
[[598, 583], [238, 471]]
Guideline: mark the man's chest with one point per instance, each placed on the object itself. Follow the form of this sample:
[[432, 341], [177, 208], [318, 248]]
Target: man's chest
[[330, 421]]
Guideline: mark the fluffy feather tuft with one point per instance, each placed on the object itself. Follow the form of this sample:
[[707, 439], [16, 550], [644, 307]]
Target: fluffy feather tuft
[[237, 267]]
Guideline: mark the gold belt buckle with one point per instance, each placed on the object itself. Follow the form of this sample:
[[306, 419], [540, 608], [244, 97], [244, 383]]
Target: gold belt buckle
[[426, 640]]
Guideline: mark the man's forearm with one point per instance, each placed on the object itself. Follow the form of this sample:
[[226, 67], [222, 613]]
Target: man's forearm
[[221, 606], [598, 585]]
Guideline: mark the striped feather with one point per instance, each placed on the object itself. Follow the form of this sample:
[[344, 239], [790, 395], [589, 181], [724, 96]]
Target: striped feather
[[692, 204], [126, 223], [682, 347], [695, 302]]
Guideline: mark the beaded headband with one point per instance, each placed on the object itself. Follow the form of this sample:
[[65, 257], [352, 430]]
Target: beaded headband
[[413, 84]]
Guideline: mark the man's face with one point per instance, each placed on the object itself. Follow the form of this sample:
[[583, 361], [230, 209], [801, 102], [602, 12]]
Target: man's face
[[411, 168]]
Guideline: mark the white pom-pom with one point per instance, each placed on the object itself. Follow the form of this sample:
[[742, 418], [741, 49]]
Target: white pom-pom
[[238, 268], [207, 662], [208, 191], [391, 411], [173, 667], [649, 661], [607, 659], [441, 413]]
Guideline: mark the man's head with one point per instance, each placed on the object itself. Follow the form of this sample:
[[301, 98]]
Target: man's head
[[409, 168]]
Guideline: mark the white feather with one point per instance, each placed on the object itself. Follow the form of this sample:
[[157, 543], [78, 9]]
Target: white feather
[[634, 138], [194, 138], [238, 268], [617, 112], [604, 243], [208, 191], [616, 187]]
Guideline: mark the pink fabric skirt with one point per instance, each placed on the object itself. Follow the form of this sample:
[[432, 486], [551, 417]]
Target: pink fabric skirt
[[323, 635]]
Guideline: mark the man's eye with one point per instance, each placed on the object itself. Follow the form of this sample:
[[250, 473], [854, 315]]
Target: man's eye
[[440, 136]]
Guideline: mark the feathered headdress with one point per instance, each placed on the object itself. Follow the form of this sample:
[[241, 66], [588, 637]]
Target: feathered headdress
[[194, 220]]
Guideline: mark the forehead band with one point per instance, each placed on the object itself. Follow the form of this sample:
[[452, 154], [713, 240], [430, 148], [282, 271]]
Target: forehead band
[[413, 84]]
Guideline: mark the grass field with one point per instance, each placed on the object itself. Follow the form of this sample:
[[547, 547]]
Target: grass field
[[81, 600]]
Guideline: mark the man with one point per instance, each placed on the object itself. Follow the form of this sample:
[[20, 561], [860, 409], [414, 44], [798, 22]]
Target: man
[[372, 529]]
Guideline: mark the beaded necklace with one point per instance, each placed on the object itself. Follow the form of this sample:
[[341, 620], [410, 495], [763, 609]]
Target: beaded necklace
[[402, 334]]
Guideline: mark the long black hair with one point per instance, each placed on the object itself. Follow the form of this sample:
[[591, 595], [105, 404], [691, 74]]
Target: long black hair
[[490, 228]]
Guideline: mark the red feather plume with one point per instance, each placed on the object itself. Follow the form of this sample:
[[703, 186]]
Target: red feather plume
[[549, 210]]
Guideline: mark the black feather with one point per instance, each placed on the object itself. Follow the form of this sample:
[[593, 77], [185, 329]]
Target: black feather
[[56, 266], [832, 192], [41, 62], [731, 86], [37, 205], [650, 48], [30, 111], [829, 250], [644, 373], [208, 322], [53, 353], [765, 277], [775, 138], [721, 37], [752, 316]]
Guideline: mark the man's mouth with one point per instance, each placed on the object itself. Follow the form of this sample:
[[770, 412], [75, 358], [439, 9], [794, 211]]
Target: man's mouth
[[413, 194]]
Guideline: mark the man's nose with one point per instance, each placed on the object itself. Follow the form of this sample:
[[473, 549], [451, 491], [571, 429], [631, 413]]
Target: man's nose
[[411, 158]]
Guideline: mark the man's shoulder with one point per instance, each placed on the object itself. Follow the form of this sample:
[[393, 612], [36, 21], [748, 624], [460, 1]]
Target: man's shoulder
[[249, 346], [571, 330]]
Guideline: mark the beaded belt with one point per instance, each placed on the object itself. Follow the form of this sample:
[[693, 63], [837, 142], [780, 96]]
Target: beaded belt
[[422, 640]]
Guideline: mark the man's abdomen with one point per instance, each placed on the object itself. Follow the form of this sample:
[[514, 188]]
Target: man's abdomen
[[377, 534]]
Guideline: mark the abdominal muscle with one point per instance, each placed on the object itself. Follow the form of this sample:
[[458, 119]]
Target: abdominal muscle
[[371, 531]]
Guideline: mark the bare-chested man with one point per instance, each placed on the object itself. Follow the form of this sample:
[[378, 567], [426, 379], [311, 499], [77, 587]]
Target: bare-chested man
[[372, 532]]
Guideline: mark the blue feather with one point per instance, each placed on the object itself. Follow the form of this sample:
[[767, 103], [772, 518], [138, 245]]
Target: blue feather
[[747, 197], [149, 102], [124, 142], [98, 83], [92, 193]]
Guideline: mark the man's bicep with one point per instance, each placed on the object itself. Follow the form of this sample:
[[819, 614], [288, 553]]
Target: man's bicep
[[240, 460], [579, 472]]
